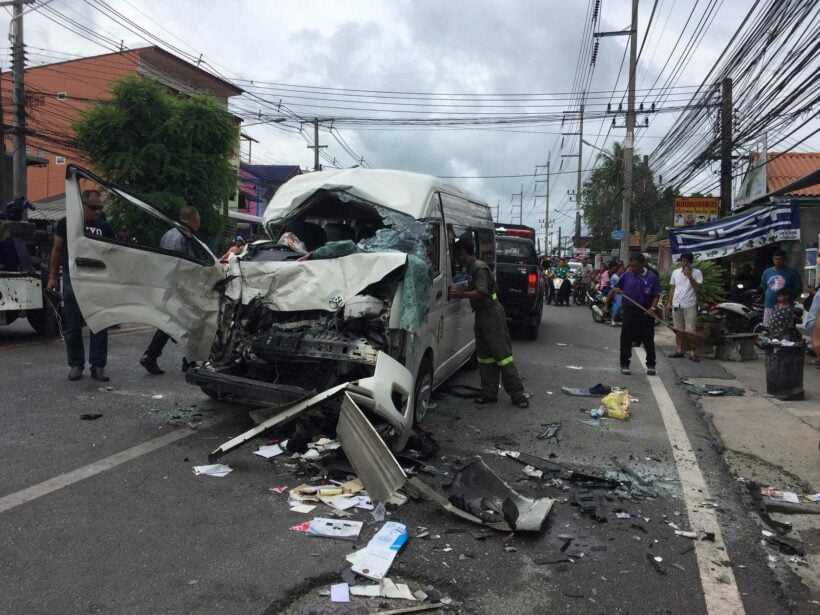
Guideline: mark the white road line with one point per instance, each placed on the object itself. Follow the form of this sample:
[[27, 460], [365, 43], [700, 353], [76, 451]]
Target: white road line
[[69, 478], [718, 582]]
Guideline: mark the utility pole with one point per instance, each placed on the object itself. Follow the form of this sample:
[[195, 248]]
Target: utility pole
[[316, 147], [546, 195], [726, 148], [559, 241], [520, 196], [19, 117], [629, 145], [577, 239], [3, 180]]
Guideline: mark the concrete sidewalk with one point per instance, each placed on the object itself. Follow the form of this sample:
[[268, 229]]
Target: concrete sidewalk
[[763, 436], [771, 442]]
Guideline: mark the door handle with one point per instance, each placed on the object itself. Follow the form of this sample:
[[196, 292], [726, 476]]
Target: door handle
[[91, 263], [439, 294]]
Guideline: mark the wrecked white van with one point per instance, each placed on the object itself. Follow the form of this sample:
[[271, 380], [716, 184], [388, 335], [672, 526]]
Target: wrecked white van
[[351, 288]]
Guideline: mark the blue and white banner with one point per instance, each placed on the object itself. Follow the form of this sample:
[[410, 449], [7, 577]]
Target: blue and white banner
[[752, 229]]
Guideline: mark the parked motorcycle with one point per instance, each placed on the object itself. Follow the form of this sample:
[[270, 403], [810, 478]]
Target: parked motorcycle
[[740, 318], [578, 290], [600, 311]]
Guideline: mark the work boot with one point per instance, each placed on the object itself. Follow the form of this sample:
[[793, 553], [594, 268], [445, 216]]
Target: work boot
[[150, 365], [75, 373], [98, 373]]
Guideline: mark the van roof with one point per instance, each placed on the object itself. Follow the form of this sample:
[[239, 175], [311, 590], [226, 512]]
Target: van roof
[[400, 190]]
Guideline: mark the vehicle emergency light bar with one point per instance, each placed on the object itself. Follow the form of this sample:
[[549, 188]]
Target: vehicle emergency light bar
[[514, 232]]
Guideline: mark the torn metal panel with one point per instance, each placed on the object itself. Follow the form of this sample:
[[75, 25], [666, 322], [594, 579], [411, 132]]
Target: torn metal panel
[[292, 286], [373, 462], [287, 413], [477, 484]]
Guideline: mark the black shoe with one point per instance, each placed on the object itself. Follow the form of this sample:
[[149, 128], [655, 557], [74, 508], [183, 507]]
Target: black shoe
[[600, 389], [98, 373], [151, 366], [75, 373]]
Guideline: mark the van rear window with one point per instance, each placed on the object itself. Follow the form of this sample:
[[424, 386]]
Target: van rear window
[[514, 251]]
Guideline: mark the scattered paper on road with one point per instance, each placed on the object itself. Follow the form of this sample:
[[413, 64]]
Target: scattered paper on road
[[375, 559], [574, 367], [269, 451], [340, 503], [216, 469], [386, 589], [302, 508], [340, 592], [334, 528]]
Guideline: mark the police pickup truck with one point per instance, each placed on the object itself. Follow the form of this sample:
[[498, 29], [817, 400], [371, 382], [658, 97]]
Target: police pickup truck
[[518, 277]]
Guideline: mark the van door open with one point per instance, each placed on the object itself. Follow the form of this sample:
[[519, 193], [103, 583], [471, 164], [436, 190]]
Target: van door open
[[130, 279]]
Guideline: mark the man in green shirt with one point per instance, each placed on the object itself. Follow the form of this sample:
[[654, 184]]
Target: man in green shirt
[[562, 272]]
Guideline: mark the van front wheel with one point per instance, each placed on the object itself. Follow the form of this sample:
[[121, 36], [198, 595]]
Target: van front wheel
[[423, 392]]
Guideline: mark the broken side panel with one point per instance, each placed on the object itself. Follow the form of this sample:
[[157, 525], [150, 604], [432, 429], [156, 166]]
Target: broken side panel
[[373, 462]]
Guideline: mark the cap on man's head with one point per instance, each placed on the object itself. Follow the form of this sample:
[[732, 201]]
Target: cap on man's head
[[239, 238]]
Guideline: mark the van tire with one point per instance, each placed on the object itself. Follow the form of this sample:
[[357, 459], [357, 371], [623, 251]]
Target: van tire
[[531, 330], [423, 391]]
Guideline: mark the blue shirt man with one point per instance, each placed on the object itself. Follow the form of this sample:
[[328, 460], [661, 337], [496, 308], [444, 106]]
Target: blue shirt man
[[775, 278], [640, 285]]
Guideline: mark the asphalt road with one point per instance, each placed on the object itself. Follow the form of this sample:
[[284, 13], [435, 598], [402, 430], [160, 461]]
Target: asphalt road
[[86, 528]]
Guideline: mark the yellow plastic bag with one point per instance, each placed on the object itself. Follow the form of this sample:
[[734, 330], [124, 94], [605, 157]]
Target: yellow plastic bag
[[617, 404]]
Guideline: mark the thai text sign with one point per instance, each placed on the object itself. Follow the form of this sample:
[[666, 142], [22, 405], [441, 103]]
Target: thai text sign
[[695, 210]]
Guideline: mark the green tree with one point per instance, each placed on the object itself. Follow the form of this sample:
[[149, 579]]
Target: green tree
[[168, 150], [603, 199]]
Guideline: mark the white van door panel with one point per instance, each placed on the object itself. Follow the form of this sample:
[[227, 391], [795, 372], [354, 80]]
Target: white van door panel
[[459, 336], [117, 282]]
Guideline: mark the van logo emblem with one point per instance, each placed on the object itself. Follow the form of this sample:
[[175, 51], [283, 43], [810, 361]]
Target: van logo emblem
[[336, 302]]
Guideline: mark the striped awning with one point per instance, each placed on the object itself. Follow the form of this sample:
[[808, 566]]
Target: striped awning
[[752, 229]]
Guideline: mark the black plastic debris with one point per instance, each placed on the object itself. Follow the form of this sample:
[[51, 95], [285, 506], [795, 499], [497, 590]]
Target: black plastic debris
[[479, 495], [593, 391], [787, 546], [655, 563], [92, 416], [590, 503], [563, 472], [760, 506]]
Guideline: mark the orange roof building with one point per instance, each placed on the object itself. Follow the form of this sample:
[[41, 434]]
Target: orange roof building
[[56, 93], [785, 169]]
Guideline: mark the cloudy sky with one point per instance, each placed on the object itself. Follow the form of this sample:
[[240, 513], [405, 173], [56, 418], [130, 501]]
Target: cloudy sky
[[403, 59]]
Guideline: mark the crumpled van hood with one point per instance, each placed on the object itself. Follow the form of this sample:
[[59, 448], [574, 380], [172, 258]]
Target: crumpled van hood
[[327, 284]]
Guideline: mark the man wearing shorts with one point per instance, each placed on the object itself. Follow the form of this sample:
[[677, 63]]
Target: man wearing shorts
[[684, 285]]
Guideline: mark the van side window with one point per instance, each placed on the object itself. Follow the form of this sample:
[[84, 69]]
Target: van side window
[[459, 272], [139, 228], [485, 246], [434, 247]]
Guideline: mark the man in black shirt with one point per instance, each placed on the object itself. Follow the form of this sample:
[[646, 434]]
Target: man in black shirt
[[72, 317]]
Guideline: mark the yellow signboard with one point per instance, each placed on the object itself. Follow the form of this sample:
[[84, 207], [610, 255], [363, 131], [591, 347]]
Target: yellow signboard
[[695, 210]]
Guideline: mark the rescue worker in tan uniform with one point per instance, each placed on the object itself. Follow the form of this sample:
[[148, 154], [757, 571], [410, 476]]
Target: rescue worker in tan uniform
[[492, 337]]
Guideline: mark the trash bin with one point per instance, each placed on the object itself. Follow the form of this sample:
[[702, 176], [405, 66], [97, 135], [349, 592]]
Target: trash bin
[[784, 371]]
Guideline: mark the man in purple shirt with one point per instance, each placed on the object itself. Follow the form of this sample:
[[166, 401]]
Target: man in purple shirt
[[643, 287]]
